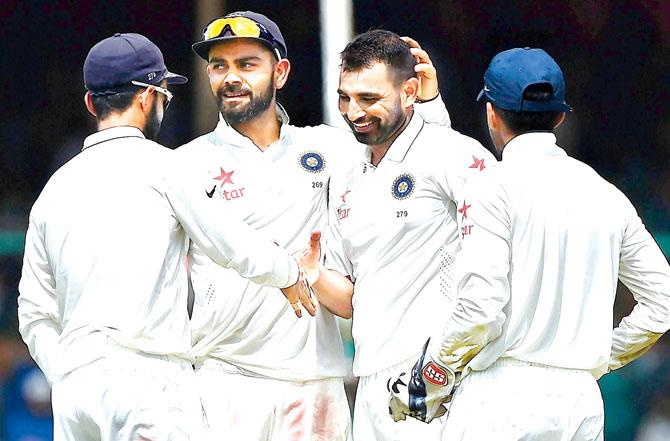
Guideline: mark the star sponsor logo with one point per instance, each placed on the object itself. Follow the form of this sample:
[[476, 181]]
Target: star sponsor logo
[[312, 162], [403, 186], [229, 193], [465, 229], [478, 163], [343, 212], [464, 210], [225, 177], [344, 196]]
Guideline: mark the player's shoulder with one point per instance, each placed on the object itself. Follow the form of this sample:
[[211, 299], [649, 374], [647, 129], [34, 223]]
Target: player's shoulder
[[593, 182], [199, 143], [200, 150], [335, 146], [448, 136], [322, 135], [452, 148]]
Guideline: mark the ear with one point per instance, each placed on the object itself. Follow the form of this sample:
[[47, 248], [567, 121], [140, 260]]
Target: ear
[[410, 91], [144, 99], [492, 117], [560, 119], [88, 102], [282, 69]]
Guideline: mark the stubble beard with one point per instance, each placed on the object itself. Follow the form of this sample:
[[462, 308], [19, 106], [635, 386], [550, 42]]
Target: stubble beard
[[384, 132], [153, 125], [257, 104]]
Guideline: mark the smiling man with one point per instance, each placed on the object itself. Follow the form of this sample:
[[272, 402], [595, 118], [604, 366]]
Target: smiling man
[[393, 229], [103, 290], [264, 375], [531, 329]]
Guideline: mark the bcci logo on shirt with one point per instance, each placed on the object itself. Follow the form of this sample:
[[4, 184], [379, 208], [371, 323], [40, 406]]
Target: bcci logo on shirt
[[403, 186], [312, 162]]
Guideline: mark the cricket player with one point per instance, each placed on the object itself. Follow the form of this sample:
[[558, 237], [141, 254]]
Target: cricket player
[[102, 304], [394, 235], [263, 374], [545, 239]]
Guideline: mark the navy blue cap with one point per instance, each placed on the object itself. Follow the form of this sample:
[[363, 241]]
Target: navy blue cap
[[513, 70], [114, 62], [270, 35]]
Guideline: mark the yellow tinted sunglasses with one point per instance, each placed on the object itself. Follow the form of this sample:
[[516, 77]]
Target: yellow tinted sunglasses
[[239, 26]]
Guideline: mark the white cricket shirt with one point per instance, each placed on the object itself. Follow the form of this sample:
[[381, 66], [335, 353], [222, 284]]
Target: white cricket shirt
[[106, 247], [282, 192], [548, 238], [394, 233]]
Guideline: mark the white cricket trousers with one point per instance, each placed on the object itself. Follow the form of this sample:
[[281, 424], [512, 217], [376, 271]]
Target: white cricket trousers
[[128, 396], [246, 408], [515, 400], [372, 421]]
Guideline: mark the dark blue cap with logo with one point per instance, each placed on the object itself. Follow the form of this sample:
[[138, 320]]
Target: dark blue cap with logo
[[513, 70], [114, 62], [270, 35]]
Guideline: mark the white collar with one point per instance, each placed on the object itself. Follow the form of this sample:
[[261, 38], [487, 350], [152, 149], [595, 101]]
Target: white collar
[[232, 136], [112, 133], [400, 146], [532, 144]]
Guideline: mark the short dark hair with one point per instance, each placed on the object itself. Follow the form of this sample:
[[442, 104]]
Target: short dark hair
[[379, 46], [118, 102], [522, 122]]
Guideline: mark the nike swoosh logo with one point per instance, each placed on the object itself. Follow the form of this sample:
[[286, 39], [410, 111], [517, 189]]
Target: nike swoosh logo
[[210, 193], [486, 89]]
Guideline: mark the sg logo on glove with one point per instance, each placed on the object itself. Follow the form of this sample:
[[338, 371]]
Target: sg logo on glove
[[426, 394], [434, 374]]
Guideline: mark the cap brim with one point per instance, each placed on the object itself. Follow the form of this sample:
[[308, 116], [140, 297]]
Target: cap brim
[[173, 78], [201, 48], [481, 95]]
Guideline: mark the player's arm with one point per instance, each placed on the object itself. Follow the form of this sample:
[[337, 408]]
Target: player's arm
[[333, 289], [39, 323], [429, 104], [646, 273], [484, 265], [478, 315], [232, 243]]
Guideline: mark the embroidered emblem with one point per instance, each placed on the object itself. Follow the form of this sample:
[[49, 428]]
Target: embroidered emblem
[[313, 162], [403, 186]]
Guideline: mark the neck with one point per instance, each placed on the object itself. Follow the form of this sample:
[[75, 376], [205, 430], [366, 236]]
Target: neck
[[505, 136], [125, 119], [379, 150], [263, 130]]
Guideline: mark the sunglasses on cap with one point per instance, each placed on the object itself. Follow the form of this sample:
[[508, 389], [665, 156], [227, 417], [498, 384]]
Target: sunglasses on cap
[[239, 27], [168, 95]]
